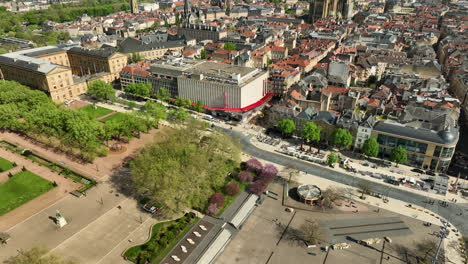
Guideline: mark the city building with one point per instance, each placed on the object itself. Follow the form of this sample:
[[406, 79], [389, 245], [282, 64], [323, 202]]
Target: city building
[[60, 72], [330, 8], [134, 6], [91, 61], [429, 145], [222, 88], [202, 32]]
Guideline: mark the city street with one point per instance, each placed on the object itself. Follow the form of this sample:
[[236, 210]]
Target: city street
[[451, 213]]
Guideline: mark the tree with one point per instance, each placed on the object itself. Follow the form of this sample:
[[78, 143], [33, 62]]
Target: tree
[[311, 232], [311, 132], [370, 147], [163, 95], [257, 187], [268, 173], [332, 158], [399, 155], [229, 46], [212, 209], [331, 196], [180, 114], [286, 126], [364, 187], [155, 110], [232, 189], [198, 106], [218, 199], [139, 89], [134, 57], [185, 169], [254, 165], [38, 256], [245, 176], [101, 90], [342, 138], [203, 54]]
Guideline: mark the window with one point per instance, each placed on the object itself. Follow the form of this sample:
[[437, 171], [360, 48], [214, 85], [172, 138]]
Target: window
[[446, 153], [437, 151]]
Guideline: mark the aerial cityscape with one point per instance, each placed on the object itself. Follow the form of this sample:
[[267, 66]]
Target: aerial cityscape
[[233, 131]]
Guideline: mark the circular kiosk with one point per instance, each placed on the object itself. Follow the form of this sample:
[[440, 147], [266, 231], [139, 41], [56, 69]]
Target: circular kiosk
[[309, 193]]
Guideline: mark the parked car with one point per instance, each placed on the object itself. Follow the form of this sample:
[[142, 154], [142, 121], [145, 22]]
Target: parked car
[[430, 173], [387, 163], [418, 171], [150, 208]]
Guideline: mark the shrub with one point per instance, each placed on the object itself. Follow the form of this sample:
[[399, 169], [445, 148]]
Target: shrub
[[23, 169], [212, 209], [14, 164], [169, 235], [232, 189], [217, 199], [54, 184], [245, 176], [254, 165], [268, 173], [191, 215], [10, 175], [163, 241], [257, 187]]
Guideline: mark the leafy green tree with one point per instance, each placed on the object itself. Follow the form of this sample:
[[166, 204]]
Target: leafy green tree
[[370, 147], [183, 171], [203, 54], [286, 126], [399, 155], [139, 89], [180, 114], [229, 46], [332, 158], [311, 132], [198, 106], [156, 110], [163, 95], [342, 138], [38, 256], [101, 90]]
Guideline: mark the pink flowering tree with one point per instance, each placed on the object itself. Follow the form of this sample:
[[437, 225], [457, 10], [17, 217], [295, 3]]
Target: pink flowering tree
[[212, 209], [217, 199], [268, 173], [257, 187], [245, 176], [254, 165]]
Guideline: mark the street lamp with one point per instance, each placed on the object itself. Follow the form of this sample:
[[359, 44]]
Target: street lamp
[[443, 234]]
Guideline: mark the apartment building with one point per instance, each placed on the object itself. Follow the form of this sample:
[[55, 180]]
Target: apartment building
[[202, 32]]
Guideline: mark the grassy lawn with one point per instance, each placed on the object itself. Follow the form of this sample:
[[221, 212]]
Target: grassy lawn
[[155, 249], [21, 188], [5, 164], [115, 117], [95, 113]]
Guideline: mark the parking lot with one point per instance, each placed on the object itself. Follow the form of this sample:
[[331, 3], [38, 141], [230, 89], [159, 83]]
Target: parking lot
[[266, 237]]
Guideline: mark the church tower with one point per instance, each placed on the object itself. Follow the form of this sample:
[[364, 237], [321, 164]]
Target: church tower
[[134, 6]]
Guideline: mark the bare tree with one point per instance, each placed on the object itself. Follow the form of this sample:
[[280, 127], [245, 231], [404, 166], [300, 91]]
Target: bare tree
[[311, 232], [364, 187], [331, 196]]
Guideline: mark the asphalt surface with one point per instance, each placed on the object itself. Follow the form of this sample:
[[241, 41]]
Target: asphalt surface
[[451, 212]]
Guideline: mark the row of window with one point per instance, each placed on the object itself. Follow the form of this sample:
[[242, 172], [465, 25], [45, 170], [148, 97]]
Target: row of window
[[409, 145]]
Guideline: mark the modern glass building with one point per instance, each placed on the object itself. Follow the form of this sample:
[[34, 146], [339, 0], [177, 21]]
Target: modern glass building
[[427, 149]]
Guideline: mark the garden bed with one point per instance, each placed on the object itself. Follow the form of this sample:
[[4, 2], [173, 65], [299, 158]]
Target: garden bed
[[164, 236], [61, 170], [6, 165], [21, 188]]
